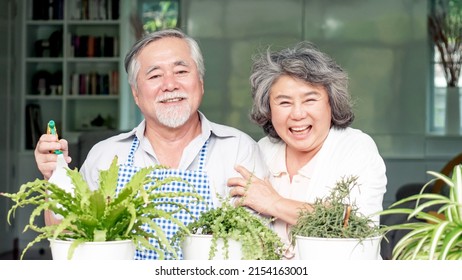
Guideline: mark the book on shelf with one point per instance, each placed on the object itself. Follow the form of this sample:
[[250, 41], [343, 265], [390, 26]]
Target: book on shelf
[[93, 46], [94, 9], [74, 84], [95, 83], [114, 83], [47, 9]]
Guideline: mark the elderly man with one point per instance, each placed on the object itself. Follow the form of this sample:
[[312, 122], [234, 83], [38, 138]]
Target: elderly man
[[165, 71]]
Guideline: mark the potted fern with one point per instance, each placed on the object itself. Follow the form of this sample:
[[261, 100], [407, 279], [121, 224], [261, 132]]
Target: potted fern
[[100, 216], [431, 235], [229, 232], [335, 229]]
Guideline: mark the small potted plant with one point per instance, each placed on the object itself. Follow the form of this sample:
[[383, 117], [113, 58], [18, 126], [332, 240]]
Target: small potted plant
[[431, 235], [335, 229], [103, 215], [229, 232]]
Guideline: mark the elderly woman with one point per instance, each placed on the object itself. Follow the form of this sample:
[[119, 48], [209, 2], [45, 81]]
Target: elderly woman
[[301, 101]]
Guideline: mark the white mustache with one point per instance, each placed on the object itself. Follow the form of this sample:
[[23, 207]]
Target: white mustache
[[171, 95]]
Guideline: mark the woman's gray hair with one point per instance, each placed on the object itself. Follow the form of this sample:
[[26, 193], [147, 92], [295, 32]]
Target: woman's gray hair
[[306, 62], [132, 65]]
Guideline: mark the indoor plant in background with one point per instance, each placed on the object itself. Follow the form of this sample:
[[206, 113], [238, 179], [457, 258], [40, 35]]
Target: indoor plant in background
[[230, 232], [102, 215], [431, 235], [334, 229], [445, 26]]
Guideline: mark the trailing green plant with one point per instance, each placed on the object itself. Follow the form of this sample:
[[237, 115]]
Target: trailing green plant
[[227, 222], [102, 214], [431, 237], [335, 216]]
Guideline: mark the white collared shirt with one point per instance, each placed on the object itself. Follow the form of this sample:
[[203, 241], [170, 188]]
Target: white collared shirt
[[227, 148]]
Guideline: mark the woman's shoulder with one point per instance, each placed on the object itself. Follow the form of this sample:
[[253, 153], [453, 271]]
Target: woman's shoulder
[[350, 135], [348, 143]]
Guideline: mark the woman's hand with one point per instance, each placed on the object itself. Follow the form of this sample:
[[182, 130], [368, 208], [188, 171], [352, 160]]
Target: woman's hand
[[260, 195], [254, 192]]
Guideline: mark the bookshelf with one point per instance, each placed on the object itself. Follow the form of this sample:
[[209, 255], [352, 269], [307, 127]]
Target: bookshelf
[[71, 67]]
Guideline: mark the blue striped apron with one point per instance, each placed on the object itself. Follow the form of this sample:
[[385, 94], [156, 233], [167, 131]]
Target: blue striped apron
[[198, 178]]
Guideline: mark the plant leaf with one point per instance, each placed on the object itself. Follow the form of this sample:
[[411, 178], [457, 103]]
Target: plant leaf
[[435, 239], [108, 180], [451, 240]]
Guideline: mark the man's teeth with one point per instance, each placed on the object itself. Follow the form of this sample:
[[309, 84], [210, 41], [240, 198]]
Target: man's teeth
[[172, 100]]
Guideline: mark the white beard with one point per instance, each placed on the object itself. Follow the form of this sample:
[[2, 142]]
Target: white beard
[[173, 116]]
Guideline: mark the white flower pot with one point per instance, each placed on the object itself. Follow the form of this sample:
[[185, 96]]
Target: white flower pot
[[108, 250], [312, 248], [197, 247]]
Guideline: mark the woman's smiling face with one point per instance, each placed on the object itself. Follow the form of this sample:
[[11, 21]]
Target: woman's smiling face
[[300, 113]]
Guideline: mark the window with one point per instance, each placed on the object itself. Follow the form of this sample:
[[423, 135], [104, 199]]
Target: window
[[446, 31], [438, 99], [158, 14]]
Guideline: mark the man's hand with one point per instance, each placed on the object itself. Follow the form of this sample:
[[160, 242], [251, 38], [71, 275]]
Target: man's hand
[[44, 153]]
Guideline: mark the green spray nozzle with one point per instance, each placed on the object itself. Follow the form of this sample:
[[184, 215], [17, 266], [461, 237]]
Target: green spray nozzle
[[51, 129]]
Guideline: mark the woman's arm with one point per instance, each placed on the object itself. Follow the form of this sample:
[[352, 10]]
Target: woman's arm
[[260, 195]]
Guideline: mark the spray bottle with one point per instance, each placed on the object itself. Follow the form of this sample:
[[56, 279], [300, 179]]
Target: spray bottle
[[59, 176]]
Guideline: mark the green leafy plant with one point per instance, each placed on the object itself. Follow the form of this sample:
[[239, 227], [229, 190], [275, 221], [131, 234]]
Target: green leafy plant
[[335, 216], [227, 222], [431, 236], [102, 214]]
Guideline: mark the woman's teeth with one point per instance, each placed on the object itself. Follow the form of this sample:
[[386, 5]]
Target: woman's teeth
[[298, 129]]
